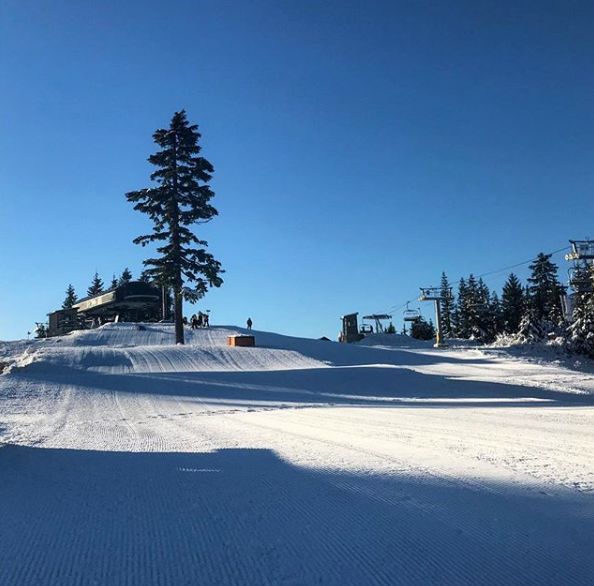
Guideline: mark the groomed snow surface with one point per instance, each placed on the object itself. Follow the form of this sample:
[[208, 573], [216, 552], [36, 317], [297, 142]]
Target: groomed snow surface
[[125, 459]]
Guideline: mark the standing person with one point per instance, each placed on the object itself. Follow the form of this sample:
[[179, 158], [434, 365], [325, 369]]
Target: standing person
[[206, 320], [249, 323]]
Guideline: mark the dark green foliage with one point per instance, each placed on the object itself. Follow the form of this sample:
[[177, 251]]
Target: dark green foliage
[[461, 321], [447, 307], [422, 330], [544, 292], [531, 314], [531, 328], [494, 317], [390, 329], [96, 286], [472, 318], [476, 313], [512, 305], [180, 199], [70, 298], [482, 320], [126, 276], [580, 333], [114, 282], [41, 330]]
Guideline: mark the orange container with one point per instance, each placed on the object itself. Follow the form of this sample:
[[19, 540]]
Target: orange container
[[241, 341]]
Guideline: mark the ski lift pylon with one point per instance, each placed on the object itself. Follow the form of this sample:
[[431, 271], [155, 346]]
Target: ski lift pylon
[[377, 318]]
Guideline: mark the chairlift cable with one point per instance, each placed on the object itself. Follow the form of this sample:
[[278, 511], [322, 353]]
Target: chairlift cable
[[395, 308]]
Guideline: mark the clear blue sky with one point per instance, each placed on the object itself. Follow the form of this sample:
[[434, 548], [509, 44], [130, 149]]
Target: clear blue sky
[[360, 148]]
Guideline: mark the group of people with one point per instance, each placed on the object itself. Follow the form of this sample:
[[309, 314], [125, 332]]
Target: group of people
[[197, 321], [201, 321]]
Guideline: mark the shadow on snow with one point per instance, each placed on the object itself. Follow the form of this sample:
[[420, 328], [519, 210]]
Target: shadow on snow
[[362, 385], [244, 516]]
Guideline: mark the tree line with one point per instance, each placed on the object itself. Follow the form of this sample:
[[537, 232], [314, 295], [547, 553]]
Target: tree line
[[527, 313], [97, 286]]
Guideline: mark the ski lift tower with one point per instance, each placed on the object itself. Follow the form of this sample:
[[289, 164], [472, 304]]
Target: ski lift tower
[[377, 318], [582, 256], [580, 273], [434, 294]]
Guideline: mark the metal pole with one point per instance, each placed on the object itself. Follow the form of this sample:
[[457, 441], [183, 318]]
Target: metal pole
[[438, 338]]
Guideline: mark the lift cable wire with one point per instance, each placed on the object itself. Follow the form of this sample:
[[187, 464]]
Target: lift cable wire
[[395, 308]]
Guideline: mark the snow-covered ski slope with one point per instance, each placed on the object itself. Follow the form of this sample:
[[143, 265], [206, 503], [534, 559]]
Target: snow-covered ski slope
[[125, 459]]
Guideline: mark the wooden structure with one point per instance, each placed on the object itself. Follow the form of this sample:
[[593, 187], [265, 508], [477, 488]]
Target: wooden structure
[[134, 301], [350, 329], [245, 341], [63, 321]]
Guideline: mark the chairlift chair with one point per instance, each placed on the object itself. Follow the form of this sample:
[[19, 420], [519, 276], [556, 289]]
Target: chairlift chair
[[411, 314]]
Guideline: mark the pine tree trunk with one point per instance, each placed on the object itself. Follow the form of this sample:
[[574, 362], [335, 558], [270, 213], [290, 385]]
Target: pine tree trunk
[[178, 299], [179, 324]]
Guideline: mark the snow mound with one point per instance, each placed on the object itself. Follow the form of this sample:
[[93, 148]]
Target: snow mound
[[146, 348]]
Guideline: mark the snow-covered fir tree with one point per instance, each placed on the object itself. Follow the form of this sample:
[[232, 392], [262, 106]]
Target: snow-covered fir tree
[[531, 328], [531, 314], [447, 307], [473, 299], [70, 299], [461, 321], [512, 305], [580, 332], [96, 286], [494, 318], [544, 294], [482, 321], [180, 200]]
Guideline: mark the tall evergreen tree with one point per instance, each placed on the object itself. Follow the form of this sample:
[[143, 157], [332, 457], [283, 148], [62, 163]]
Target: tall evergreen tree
[[114, 282], [545, 290], [512, 304], [472, 315], [447, 307], [461, 318], [580, 332], [472, 308], [180, 199], [495, 321], [126, 276], [482, 327], [70, 298], [96, 286]]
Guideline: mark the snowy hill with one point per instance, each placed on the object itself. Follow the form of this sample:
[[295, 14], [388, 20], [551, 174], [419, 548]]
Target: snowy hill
[[128, 459]]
